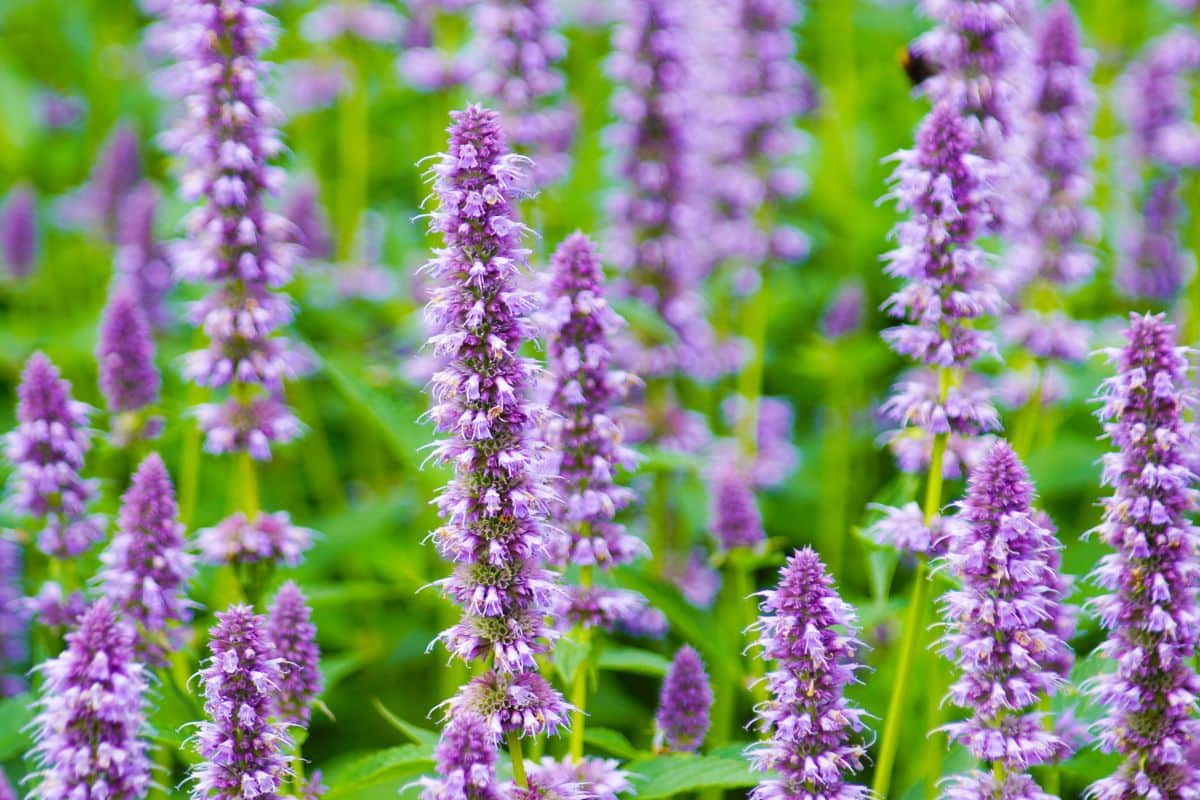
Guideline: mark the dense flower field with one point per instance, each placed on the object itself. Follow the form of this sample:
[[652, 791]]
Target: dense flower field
[[536, 400]]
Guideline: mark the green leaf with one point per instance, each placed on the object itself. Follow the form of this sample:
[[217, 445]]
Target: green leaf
[[631, 659], [673, 774], [15, 713], [407, 760], [422, 736], [569, 657], [610, 741], [881, 566]]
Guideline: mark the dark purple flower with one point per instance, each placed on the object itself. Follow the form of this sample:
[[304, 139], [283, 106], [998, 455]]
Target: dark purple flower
[[1151, 613], [19, 231], [146, 567], [815, 735], [995, 625], [242, 747], [13, 624], [733, 516], [129, 379], [47, 448], [91, 715], [295, 640], [682, 717], [142, 265], [466, 762], [584, 436], [226, 140], [268, 537]]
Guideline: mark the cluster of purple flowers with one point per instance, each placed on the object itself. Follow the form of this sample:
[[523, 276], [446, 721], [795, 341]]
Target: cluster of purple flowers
[[13, 649], [19, 231], [238, 539], [129, 379], [227, 140], [493, 508], [295, 640], [142, 265], [48, 448], [682, 719], [1151, 612]]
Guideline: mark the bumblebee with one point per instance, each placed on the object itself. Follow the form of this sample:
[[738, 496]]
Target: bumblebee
[[916, 65]]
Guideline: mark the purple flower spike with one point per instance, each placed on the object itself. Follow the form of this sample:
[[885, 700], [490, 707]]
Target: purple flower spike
[[146, 568], [242, 747], [47, 449], [13, 625], [810, 634], [141, 259], [226, 140], [682, 717], [91, 715], [129, 380], [466, 762], [19, 231], [1151, 613], [995, 624], [734, 516], [584, 435], [494, 507], [295, 639], [117, 170], [598, 778]]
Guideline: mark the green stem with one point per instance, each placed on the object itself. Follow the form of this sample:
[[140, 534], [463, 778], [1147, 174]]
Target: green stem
[[518, 759], [751, 379], [1027, 422], [744, 582], [249, 485], [579, 690], [189, 469]]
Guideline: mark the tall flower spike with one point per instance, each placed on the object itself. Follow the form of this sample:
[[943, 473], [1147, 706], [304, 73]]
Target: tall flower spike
[[519, 50], [815, 735], [683, 706], [19, 231], [233, 243], [141, 259], [494, 506], [13, 625], [242, 747], [129, 379], [734, 516], [466, 762], [147, 567], [996, 632], [47, 448], [91, 715], [295, 640], [1151, 613]]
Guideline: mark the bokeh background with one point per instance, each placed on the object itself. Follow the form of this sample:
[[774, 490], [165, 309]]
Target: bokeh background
[[74, 76]]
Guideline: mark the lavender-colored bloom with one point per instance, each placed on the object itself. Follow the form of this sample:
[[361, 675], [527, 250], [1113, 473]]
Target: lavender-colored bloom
[[13, 627], [117, 170], [314, 787], [466, 762], [598, 778], [309, 86], [1016, 387], [310, 230], [19, 231], [844, 314], [682, 717], [610, 609], [523, 702], [548, 784], [51, 608], [1162, 138], [1151, 613], [295, 640], [775, 456], [242, 747], [359, 19], [695, 578], [47, 448], [1052, 245], [733, 514], [268, 537], [142, 264], [995, 630], [146, 567], [91, 715], [494, 506], [428, 69], [129, 380], [6, 790], [61, 111], [1049, 336], [815, 741], [585, 439], [226, 139], [518, 49], [904, 528]]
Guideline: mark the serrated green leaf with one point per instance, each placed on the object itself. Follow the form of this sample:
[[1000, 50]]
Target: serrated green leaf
[[673, 774], [631, 659], [15, 714], [610, 741], [422, 736], [382, 765]]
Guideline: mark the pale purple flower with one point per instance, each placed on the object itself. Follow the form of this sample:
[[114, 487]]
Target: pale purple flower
[[844, 314], [48, 448], [13, 626], [268, 537], [19, 231], [1150, 613], [597, 778], [60, 111], [775, 455], [466, 762], [310, 228], [695, 578], [682, 720], [358, 19], [295, 640], [1051, 335], [1016, 387], [610, 609], [91, 715], [6, 790], [995, 630], [226, 141], [117, 170], [523, 702], [904, 528], [815, 741], [129, 379], [242, 747], [51, 608], [307, 86], [142, 266], [147, 567]]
